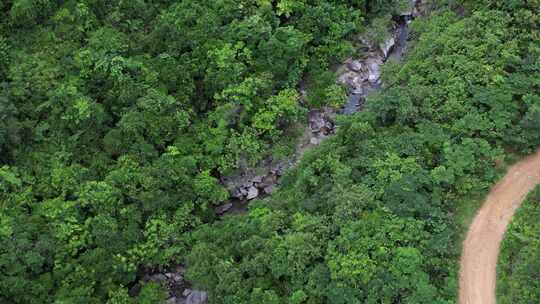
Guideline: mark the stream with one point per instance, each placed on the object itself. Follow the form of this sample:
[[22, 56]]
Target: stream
[[361, 77]]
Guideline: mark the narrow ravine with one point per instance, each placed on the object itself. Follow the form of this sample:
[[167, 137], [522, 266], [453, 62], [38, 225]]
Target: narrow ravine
[[478, 276], [361, 77]]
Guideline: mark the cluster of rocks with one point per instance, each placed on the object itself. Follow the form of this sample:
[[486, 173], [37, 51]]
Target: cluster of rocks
[[191, 297], [178, 290], [362, 75], [415, 9], [321, 124], [251, 184]]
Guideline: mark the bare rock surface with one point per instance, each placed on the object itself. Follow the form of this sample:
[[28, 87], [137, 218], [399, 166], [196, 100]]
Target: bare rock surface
[[362, 75], [224, 208], [197, 297], [250, 184], [253, 192], [387, 46]]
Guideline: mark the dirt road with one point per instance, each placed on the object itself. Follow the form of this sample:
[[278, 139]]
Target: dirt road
[[477, 276]]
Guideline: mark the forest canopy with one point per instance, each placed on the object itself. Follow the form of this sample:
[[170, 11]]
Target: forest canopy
[[118, 119]]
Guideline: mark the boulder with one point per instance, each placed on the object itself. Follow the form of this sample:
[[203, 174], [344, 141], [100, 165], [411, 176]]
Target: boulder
[[180, 269], [354, 80], [197, 297], [354, 65], [387, 46], [365, 41], [174, 276], [327, 128], [420, 8], [237, 193], [253, 192], [316, 121], [223, 208], [374, 68], [268, 180], [176, 300], [158, 278]]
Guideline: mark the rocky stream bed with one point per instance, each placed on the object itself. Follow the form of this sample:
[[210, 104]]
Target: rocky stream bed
[[361, 77]]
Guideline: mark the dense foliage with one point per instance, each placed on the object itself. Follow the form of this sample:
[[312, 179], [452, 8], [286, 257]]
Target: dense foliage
[[519, 260], [118, 117], [368, 217]]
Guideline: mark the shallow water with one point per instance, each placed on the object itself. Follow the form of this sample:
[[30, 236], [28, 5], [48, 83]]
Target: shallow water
[[356, 100]]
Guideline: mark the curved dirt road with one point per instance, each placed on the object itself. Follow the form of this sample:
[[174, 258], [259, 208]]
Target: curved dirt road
[[477, 276]]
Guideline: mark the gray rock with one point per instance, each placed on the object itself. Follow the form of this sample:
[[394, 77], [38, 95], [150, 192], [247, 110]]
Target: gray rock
[[365, 41], [257, 179], [252, 193], [197, 297], [237, 193], [176, 277], [354, 65], [314, 141], [158, 277], [268, 180], [316, 121], [328, 128], [421, 7], [374, 68], [320, 122], [387, 46], [186, 292], [354, 80], [172, 300], [223, 208]]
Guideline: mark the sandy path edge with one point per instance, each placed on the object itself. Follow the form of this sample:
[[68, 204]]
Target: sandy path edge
[[477, 276]]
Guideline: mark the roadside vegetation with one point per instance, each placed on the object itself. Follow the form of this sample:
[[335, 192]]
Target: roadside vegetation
[[519, 257]]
